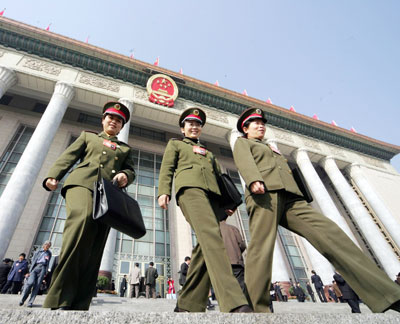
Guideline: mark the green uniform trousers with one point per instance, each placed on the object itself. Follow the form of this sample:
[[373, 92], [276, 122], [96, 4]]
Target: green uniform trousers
[[74, 280], [274, 208], [209, 263]]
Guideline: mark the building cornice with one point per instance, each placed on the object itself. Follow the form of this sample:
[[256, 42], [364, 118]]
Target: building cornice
[[61, 49]]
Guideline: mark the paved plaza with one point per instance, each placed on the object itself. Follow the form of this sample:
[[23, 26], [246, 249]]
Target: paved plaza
[[137, 311]]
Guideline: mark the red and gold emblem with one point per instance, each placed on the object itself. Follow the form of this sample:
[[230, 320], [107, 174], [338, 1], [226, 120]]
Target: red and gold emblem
[[162, 90]]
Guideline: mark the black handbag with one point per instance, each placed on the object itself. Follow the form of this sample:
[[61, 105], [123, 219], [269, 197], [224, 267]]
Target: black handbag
[[114, 207], [230, 195], [301, 183]]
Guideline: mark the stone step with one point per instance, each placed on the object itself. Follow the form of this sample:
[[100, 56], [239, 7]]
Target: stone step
[[159, 311]]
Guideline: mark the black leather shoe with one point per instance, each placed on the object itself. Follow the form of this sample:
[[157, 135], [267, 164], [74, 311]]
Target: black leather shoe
[[242, 309], [21, 303], [180, 310], [30, 305], [64, 308]]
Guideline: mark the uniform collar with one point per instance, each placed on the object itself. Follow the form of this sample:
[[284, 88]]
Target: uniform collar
[[192, 142], [111, 138]]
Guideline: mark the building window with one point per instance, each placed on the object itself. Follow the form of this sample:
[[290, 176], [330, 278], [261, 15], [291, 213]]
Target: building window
[[294, 256], [155, 245], [13, 153], [244, 217]]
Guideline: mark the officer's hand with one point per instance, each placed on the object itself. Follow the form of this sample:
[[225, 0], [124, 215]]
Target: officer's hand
[[229, 212], [52, 184], [257, 187], [163, 201], [121, 179]]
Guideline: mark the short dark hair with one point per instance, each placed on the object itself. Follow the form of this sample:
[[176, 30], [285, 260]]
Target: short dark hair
[[23, 254], [187, 258], [312, 271], [151, 263], [137, 264]]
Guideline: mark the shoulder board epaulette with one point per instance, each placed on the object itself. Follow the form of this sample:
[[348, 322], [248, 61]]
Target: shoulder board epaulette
[[89, 131]]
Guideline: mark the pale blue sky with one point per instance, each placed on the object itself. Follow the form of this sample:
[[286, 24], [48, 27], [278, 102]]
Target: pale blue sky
[[337, 59]]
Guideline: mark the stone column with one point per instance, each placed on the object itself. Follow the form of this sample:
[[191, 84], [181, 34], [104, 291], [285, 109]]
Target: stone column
[[385, 216], [8, 78], [328, 208], [320, 193], [107, 261], [360, 215], [279, 266], [20, 185]]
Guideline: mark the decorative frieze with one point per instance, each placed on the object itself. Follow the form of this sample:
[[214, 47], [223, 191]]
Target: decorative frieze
[[337, 152], [312, 144], [284, 136], [374, 162], [215, 115], [41, 66], [99, 82], [141, 94]]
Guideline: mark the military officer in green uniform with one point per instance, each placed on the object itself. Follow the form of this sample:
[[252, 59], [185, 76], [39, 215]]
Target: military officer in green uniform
[[74, 280], [197, 193], [273, 198]]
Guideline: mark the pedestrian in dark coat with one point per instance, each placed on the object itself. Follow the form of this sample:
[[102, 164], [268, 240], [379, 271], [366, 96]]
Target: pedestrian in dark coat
[[74, 280], [319, 286], [332, 295], [5, 268], [184, 270], [122, 287], [150, 277], [16, 275], [348, 294], [235, 246], [397, 280], [38, 269], [310, 291], [299, 292]]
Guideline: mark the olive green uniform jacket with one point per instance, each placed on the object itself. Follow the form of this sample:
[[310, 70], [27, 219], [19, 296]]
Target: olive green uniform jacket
[[191, 170], [257, 162], [93, 155]]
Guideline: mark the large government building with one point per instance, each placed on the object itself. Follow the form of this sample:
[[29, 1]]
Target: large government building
[[53, 87]]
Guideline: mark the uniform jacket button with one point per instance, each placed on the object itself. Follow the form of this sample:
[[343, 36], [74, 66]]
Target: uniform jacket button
[[113, 171], [104, 152], [101, 165], [116, 158]]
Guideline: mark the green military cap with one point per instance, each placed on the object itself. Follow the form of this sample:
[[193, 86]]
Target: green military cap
[[250, 114], [118, 109], [193, 114]]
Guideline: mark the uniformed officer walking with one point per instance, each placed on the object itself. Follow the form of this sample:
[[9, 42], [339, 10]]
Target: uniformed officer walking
[[273, 198], [197, 193], [75, 277]]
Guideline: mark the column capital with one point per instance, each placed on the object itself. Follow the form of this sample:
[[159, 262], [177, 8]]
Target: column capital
[[322, 162], [65, 89], [234, 133], [296, 152], [8, 77], [353, 167]]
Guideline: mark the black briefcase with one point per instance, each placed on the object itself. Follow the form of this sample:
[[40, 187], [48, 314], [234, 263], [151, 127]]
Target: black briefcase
[[114, 207], [301, 183], [230, 195]]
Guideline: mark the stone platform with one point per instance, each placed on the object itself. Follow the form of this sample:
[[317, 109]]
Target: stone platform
[[117, 310]]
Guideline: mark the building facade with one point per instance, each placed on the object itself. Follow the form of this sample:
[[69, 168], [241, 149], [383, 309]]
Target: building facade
[[53, 87]]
